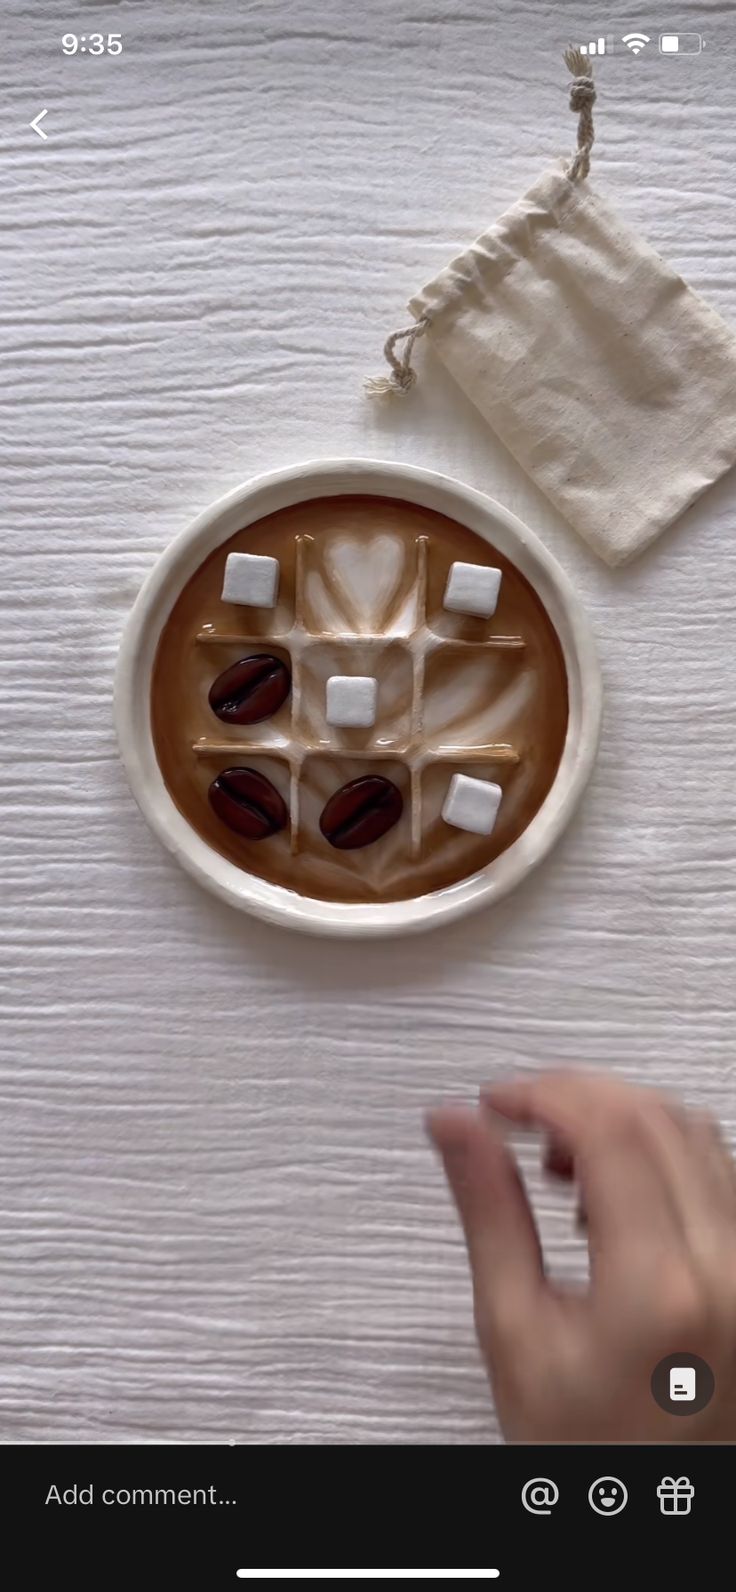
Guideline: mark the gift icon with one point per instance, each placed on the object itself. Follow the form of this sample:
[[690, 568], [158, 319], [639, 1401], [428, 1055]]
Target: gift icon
[[675, 1495]]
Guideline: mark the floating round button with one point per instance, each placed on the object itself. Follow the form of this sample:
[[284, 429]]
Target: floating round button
[[682, 1384]]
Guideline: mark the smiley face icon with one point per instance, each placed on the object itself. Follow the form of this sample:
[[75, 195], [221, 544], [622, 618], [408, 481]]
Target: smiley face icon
[[608, 1496]]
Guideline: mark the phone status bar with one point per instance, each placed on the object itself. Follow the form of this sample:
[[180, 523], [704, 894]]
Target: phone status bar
[[636, 41]]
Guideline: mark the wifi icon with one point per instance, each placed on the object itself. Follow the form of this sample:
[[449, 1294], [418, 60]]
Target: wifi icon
[[635, 42]]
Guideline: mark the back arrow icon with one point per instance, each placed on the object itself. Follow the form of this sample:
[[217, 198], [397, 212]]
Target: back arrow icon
[[35, 122]]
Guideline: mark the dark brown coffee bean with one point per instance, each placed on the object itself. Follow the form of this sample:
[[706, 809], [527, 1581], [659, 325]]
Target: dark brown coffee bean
[[250, 690], [361, 812], [248, 803]]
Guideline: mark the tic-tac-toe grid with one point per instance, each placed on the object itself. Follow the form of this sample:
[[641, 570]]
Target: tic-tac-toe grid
[[419, 643]]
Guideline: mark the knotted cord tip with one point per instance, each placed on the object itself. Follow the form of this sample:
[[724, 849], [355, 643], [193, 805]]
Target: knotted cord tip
[[392, 386], [582, 100], [577, 63], [582, 93], [403, 376]]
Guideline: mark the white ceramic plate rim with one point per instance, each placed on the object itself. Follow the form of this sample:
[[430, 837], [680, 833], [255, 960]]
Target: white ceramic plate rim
[[280, 489]]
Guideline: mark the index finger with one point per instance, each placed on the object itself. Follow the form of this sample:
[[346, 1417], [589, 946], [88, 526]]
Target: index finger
[[569, 1104], [633, 1221], [502, 1241]]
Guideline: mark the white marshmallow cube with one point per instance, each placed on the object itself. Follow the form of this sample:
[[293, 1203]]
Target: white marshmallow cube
[[472, 589], [472, 804], [351, 701], [251, 580]]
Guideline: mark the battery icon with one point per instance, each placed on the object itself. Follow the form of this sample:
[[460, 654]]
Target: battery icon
[[680, 43]]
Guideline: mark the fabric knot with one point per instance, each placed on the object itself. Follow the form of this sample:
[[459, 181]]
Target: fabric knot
[[582, 94], [403, 375], [405, 379], [582, 100]]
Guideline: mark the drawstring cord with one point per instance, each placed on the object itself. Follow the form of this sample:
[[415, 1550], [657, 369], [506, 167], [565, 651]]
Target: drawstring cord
[[582, 99], [403, 375]]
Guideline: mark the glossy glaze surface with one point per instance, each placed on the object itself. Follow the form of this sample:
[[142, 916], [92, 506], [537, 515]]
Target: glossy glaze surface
[[361, 588]]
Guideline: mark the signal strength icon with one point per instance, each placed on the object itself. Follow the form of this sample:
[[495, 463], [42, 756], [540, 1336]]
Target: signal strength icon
[[635, 42], [597, 46]]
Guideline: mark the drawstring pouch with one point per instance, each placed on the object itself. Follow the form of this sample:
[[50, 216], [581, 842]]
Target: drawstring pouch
[[610, 381]]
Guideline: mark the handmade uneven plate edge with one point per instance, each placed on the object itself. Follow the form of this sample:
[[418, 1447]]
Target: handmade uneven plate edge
[[331, 477]]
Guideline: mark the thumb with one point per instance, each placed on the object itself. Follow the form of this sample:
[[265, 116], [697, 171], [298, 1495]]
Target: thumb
[[502, 1240]]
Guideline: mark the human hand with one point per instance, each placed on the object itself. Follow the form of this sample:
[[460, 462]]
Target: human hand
[[657, 1187]]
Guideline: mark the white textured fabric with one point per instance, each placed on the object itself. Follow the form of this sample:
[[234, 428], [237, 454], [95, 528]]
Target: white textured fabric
[[610, 380], [218, 1215]]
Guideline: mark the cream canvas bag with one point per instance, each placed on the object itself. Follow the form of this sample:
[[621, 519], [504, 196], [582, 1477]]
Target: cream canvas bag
[[610, 381]]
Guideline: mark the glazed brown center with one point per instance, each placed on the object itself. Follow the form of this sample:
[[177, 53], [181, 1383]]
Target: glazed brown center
[[362, 582]]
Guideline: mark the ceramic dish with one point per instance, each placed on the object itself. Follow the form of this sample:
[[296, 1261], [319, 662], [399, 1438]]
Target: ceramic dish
[[339, 614]]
